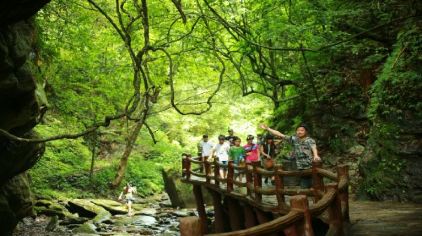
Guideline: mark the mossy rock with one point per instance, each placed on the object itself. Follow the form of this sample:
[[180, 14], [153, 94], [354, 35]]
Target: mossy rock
[[113, 207], [181, 194]]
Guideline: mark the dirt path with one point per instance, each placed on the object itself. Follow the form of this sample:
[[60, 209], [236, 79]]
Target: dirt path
[[385, 218]]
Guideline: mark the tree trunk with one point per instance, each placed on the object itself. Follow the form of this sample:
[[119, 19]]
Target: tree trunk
[[128, 150]]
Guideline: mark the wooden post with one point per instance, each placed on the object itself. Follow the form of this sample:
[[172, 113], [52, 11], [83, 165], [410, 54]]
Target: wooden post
[[264, 217], [218, 211], [343, 172], [279, 187], [248, 179], [188, 167], [230, 176], [184, 165], [234, 214], [257, 182], [197, 191], [317, 181], [190, 226], [250, 220], [300, 203], [334, 214], [216, 172], [207, 167], [290, 231]]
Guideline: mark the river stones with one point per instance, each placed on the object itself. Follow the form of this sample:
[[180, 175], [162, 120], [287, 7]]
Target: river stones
[[87, 208], [147, 211], [135, 220], [112, 206], [52, 208]]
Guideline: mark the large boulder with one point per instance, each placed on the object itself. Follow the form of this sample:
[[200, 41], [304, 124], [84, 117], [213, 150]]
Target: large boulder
[[15, 203], [87, 208], [19, 109]]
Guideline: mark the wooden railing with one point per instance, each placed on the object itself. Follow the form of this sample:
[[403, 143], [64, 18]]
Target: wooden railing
[[329, 193]]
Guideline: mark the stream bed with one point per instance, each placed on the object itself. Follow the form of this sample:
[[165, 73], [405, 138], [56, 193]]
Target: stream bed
[[104, 217]]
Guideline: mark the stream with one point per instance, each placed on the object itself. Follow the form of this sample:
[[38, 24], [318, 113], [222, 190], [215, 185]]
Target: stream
[[152, 217]]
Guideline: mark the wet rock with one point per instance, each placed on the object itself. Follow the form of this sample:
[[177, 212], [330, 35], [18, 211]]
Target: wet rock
[[148, 212], [181, 213], [87, 208], [54, 222], [135, 220], [86, 228], [52, 208], [113, 207]]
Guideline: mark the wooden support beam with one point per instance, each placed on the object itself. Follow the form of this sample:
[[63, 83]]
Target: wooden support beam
[[317, 180], [250, 219], [343, 172], [190, 226], [235, 216], [300, 203], [219, 218], [230, 176], [197, 191], [279, 186], [335, 218], [264, 217]]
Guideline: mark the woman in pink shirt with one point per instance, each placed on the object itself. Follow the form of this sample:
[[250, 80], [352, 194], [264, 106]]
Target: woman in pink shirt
[[251, 149]]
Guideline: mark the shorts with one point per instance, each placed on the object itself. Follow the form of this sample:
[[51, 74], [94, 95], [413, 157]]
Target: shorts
[[130, 200], [223, 163]]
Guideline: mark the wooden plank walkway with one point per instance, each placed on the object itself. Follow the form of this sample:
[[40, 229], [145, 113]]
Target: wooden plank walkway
[[370, 218]]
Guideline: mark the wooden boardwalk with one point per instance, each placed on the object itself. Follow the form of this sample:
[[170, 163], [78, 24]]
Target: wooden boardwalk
[[250, 207]]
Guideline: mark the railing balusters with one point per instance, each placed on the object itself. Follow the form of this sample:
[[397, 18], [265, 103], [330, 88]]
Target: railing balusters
[[300, 203], [249, 180], [188, 167], [279, 187], [317, 181], [207, 166], [257, 182], [216, 172], [343, 172], [230, 176]]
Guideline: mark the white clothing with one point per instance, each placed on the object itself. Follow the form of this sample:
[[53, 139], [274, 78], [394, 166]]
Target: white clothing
[[206, 148], [222, 151]]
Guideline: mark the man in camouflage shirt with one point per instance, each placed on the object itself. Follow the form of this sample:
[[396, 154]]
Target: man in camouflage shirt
[[304, 150]]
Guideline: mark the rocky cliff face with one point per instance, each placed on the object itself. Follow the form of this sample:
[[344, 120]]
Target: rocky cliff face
[[19, 109]]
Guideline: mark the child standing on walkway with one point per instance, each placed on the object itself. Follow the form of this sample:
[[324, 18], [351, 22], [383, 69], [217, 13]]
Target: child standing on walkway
[[221, 151], [237, 154], [251, 149]]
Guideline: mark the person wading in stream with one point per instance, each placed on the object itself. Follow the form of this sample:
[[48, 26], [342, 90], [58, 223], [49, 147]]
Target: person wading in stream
[[127, 193], [304, 150]]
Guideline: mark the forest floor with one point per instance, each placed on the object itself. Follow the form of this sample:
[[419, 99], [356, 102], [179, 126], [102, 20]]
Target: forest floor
[[385, 218]]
